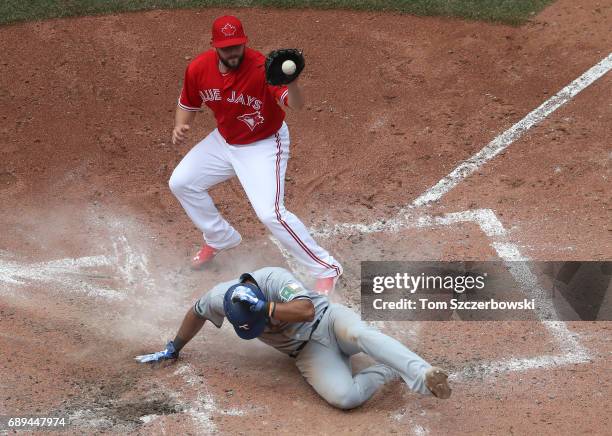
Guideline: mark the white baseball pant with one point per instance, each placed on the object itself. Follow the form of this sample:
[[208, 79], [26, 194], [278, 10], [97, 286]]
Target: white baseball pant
[[324, 361], [260, 168]]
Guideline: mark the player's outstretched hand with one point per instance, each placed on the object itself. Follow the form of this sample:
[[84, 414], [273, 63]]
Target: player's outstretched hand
[[179, 134], [168, 353], [245, 295]]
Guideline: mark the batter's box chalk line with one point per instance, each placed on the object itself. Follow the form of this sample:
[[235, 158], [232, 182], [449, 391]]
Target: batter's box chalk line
[[82, 274], [572, 352], [471, 165], [204, 406], [503, 141]]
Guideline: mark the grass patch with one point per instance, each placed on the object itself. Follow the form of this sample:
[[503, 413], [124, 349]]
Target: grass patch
[[503, 11]]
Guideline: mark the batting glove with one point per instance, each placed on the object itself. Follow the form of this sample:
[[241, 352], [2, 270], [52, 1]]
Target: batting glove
[[245, 295], [167, 354]]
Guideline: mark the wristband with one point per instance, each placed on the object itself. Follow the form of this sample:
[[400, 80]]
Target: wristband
[[273, 309]]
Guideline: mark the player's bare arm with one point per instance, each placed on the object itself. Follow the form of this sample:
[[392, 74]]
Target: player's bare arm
[[191, 325], [294, 311], [295, 96], [301, 310], [182, 123]]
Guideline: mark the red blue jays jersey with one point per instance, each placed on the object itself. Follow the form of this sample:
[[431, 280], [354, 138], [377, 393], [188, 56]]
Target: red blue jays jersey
[[245, 106]]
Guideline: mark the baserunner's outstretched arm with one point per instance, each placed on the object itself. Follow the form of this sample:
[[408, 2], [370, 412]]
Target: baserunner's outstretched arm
[[191, 325]]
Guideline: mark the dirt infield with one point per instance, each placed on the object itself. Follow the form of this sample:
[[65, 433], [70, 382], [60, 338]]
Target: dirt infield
[[93, 256]]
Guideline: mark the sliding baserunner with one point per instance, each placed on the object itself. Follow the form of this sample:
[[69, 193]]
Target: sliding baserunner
[[272, 305]]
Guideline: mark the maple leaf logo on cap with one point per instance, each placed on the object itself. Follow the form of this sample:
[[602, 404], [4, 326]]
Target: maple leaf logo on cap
[[228, 29]]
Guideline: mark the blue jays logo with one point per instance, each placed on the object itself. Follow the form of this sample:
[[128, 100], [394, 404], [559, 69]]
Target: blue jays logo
[[252, 120]]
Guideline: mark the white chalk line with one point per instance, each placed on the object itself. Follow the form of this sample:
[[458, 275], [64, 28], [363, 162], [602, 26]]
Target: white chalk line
[[404, 217], [419, 430], [68, 272], [572, 351], [76, 274], [204, 407], [89, 418], [520, 365], [500, 143], [485, 218], [491, 226], [132, 265]]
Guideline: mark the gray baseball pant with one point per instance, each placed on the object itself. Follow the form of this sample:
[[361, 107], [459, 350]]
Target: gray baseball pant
[[325, 364]]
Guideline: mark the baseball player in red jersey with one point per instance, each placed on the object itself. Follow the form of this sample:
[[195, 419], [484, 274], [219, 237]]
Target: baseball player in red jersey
[[251, 142]]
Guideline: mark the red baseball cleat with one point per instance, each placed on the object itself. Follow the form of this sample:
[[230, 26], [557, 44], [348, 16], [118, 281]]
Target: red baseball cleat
[[205, 255]]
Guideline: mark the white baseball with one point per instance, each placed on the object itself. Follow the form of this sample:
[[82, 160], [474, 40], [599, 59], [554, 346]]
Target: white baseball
[[288, 67]]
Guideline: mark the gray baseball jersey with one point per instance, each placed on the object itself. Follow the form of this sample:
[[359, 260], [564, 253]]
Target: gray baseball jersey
[[278, 285], [324, 360]]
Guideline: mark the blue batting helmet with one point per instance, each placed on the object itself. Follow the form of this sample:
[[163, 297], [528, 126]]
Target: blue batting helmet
[[248, 325]]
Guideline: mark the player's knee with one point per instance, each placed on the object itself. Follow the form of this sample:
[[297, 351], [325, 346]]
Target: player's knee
[[267, 216], [175, 183], [345, 400], [178, 183], [352, 333]]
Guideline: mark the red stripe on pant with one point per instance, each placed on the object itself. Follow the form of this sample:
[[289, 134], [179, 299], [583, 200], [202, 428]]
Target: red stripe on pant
[[283, 223]]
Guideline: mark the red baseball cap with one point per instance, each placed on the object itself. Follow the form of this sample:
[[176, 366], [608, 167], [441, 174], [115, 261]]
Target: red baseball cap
[[227, 31]]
